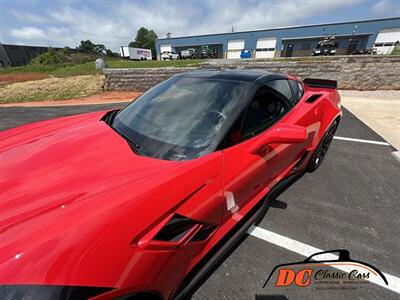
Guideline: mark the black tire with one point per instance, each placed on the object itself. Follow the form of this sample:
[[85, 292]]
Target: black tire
[[322, 149]]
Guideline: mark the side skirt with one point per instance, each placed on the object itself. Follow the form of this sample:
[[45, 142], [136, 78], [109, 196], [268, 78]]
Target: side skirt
[[199, 274]]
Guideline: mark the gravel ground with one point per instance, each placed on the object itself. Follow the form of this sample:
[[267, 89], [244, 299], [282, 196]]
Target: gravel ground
[[381, 94], [51, 89]]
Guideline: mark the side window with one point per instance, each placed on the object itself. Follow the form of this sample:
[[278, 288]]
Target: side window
[[297, 90], [267, 107], [281, 86]]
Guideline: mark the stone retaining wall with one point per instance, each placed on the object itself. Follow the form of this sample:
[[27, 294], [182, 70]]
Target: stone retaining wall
[[138, 79], [351, 72]]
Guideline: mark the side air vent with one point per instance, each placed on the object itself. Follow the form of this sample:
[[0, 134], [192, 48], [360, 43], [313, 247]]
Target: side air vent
[[205, 231], [176, 228], [175, 231], [313, 98], [179, 226]]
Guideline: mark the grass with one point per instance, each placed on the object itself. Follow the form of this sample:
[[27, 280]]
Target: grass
[[66, 81], [65, 70], [28, 69], [89, 68], [75, 70], [51, 89]]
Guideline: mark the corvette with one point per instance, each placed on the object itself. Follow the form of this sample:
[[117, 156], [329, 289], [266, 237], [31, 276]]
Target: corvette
[[142, 202]]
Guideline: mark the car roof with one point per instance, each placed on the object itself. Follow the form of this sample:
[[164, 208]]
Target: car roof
[[257, 76]]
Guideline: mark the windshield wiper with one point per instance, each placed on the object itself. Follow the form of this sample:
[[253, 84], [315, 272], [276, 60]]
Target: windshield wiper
[[108, 118], [134, 146]]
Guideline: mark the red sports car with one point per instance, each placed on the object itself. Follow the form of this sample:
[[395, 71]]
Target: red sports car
[[140, 203]]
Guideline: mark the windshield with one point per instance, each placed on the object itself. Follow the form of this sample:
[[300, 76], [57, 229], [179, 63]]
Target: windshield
[[181, 118]]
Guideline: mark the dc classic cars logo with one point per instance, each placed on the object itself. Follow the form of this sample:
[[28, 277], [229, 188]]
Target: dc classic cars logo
[[330, 272]]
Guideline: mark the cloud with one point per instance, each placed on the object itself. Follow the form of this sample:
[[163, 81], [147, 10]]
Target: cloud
[[53, 36], [86, 24], [210, 16], [386, 8], [26, 16], [115, 25], [28, 33], [263, 14]]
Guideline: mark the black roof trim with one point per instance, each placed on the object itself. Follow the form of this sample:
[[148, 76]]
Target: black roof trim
[[273, 76], [237, 75]]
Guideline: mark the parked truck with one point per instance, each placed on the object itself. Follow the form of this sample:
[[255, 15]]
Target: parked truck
[[189, 53], [135, 53]]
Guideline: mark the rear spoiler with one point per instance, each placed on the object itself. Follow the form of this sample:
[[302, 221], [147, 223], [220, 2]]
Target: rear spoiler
[[321, 83]]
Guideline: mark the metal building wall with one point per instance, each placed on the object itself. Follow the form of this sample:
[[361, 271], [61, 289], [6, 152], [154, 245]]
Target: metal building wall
[[20, 55], [369, 27], [4, 59]]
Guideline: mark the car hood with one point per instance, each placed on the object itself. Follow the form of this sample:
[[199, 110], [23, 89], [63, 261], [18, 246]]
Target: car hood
[[65, 160], [74, 197]]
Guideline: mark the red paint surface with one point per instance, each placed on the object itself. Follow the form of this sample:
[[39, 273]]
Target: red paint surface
[[75, 199]]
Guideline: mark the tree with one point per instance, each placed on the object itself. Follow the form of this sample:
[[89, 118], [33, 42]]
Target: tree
[[86, 47], [135, 45], [109, 53], [90, 48], [145, 39], [100, 49]]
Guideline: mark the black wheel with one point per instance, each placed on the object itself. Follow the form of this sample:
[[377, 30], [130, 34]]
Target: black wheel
[[322, 149]]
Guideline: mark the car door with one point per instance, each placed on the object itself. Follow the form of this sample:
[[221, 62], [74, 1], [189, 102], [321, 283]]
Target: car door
[[248, 175]]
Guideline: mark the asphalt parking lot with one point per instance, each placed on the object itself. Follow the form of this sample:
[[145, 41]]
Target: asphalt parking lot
[[351, 203]]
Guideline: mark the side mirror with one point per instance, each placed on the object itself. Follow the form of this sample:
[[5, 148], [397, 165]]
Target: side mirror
[[281, 134]]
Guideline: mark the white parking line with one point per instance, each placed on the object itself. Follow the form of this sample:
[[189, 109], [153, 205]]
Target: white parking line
[[307, 250], [361, 141]]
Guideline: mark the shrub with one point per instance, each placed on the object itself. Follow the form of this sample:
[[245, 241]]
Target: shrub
[[62, 57], [66, 51], [396, 50]]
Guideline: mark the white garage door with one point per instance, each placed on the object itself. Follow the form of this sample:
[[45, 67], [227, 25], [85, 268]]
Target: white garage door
[[385, 40], [265, 47], [165, 48], [233, 54], [235, 47]]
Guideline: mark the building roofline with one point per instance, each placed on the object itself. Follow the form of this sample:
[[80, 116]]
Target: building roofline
[[36, 46], [321, 36], [280, 28]]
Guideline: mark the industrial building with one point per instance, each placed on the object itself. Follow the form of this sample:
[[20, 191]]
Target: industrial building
[[19, 55], [381, 34]]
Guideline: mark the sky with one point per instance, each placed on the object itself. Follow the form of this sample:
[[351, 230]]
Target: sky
[[114, 22]]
